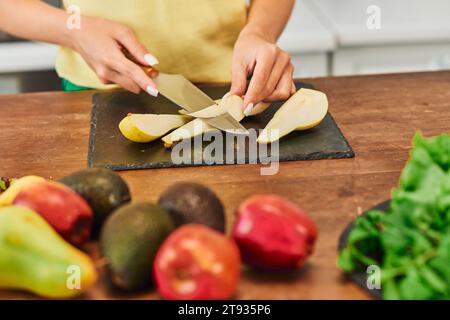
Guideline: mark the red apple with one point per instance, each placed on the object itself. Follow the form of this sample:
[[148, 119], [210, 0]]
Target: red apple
[[62, 208], [273, 233], [197, 263]]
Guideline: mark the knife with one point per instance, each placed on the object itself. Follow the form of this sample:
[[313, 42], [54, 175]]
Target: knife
[[182, 92]]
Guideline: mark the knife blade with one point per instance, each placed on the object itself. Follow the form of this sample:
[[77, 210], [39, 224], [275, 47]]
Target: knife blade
[[182, 92]]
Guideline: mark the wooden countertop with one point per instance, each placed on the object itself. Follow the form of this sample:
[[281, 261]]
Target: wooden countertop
[[46, 134]]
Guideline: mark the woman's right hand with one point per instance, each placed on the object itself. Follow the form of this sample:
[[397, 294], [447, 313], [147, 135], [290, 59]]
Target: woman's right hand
[[101, 43]]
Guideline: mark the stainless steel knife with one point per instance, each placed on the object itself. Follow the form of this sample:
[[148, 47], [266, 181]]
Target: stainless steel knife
[[182, 92]]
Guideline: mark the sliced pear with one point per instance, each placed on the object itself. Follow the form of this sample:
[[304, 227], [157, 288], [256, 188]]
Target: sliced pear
[[187, 131], [148, 127], [304, 110], [209, 112], [232, 105]]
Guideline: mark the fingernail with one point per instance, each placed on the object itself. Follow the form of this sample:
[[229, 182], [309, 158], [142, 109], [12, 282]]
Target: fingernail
[[152, 91], [151, 60], [248, 109]]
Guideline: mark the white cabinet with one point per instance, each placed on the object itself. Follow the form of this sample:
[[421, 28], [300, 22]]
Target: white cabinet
[[308, 41], [26, 56], [328, 37], [414, 35], [388, 59], [310, 65]]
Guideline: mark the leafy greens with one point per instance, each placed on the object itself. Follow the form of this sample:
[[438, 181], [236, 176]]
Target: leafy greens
[[411, 241]]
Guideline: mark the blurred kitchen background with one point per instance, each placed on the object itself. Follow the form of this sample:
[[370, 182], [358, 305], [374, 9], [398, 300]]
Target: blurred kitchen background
[[324, 37]]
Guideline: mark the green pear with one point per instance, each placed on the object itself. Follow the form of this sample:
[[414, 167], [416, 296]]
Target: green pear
[[33, 257], [148, 127], [304, 110]]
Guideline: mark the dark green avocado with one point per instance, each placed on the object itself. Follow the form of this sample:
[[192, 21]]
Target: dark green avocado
[[103, 189], [190, 202], [129, 241]]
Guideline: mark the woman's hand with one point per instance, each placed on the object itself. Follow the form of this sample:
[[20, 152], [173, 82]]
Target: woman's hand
[[271, 67], [100, 43]]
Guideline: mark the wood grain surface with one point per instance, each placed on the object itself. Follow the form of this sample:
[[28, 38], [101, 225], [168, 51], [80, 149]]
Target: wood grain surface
[[46, 134]]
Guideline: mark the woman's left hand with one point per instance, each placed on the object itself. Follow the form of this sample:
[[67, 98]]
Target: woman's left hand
[[271, 68]]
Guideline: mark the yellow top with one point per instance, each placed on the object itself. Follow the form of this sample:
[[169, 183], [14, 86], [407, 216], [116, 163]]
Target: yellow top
[[194, 38]]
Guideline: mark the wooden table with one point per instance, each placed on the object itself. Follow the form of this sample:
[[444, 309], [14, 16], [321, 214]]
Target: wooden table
[[47, 134]]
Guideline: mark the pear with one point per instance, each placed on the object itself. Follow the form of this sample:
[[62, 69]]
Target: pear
[[304, 110], [209, 112], [231, 104], [33, 257], [148, 127], [234, 106], [189, 130]]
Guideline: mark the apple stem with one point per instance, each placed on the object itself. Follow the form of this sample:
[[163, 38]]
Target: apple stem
[[5, 183]]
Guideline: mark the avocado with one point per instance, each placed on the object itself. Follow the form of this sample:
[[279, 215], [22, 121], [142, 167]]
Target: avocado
[[190, 202], [103, 189], [129, 240]]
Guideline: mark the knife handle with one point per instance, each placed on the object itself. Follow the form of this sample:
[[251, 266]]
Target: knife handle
[[150, 71]]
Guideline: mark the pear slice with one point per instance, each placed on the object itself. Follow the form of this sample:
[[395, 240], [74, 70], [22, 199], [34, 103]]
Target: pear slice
[[187, 131], [209, 112], [304, 110], [148, 127], [232, 105]]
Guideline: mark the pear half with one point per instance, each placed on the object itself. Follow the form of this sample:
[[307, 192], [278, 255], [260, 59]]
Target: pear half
[[148, 127], [304, 110]]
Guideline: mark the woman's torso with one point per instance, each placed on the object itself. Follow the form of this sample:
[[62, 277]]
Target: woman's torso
[[190, 37]]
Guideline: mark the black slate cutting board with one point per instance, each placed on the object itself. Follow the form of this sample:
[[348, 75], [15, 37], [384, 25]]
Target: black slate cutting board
[[108, 148]]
